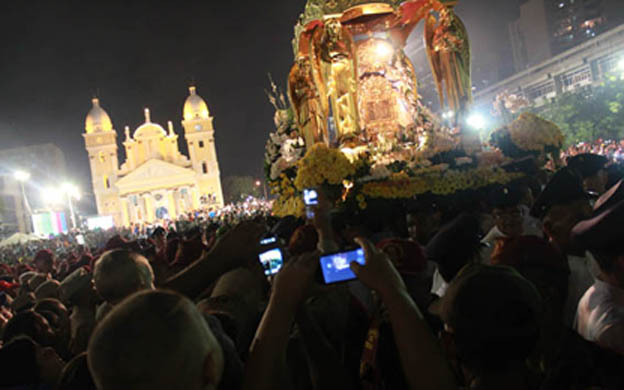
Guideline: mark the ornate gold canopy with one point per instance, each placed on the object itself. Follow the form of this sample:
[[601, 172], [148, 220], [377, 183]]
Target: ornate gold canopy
[[351, 78], [330, 7]]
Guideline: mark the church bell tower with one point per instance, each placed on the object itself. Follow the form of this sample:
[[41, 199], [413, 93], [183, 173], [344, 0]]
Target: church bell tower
[[199, 134], [101, 144]]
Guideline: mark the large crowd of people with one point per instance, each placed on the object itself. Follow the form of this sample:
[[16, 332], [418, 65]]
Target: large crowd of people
[[522, 289]]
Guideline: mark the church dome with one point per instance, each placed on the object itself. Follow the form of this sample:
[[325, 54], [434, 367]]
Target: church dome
[[195, 107], [97, 119], [149, 129]]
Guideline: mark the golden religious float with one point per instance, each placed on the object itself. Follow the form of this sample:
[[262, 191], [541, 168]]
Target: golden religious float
[[156, 181], [352, 117]]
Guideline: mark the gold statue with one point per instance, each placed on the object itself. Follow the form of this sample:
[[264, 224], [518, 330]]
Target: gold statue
[[338, 71], [306, 102], [448, 49]]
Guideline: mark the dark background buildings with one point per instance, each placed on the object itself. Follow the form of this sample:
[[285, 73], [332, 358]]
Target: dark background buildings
[[55, 55]]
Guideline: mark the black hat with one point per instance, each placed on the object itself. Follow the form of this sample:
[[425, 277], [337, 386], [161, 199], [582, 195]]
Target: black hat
[[615, 173], [587, 164], [564, 187], [159, 231], [614, 195], [526, 165], [493, 307], [505, 196], [455, 245], [19, 363], [602, 233]]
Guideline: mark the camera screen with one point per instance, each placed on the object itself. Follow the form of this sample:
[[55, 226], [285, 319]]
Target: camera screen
[[271, 261], [310, 197], [268, 240], [335, 267]]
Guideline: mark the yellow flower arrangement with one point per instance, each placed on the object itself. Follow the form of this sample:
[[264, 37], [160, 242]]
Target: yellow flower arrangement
[[289, 200], [437, 182], [322, 165], [532, 133], [285, 205]]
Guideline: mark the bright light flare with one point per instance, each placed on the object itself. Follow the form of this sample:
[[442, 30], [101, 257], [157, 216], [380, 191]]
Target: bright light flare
[[476, 121], [621, 65], [21, 175], [71, 190], [384, 50], [448, 114], [52, 196]]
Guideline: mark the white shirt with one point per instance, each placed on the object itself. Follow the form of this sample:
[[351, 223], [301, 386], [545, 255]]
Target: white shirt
[[439, 286], [579, 280], [600, 316]]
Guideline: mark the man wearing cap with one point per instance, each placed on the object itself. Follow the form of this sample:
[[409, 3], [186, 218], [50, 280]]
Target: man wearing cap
[[600, 313], [455, 245], [560, 206], [509, 219], [491, 341], [592, 169]]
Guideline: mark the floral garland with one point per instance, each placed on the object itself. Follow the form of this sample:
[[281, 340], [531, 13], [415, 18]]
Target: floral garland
[[447, 182], [285, 146], [529, 134], [323, 165]]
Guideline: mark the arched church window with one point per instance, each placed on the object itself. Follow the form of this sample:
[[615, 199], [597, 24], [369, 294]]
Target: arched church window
[[106, 182], [102, 157], [201, 144], [204, 167]]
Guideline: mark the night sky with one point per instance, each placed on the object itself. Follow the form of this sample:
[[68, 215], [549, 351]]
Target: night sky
[[56, 55]]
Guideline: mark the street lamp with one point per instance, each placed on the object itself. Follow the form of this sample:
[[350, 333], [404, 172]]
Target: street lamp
[[22, 177], [258, 183], [72, 193], [55, 196]]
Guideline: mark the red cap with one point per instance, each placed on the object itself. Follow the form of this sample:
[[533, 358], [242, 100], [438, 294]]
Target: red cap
[[116, 242], [5, 286], [44, 255]]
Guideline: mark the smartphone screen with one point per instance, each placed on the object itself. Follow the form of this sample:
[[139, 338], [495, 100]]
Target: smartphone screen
[[268, 240], [272, 261], [335, 267], [310, 197]]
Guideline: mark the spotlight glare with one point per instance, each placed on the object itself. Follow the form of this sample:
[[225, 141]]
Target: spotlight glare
[[21, 175], [384, 50], [476, 121]]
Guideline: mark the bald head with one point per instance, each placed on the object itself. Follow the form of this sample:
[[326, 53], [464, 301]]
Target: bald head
[[155, 340], [119, 273]]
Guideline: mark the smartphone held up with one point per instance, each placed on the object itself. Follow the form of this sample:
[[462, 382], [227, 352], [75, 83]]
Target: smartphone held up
[[310, 199], [334, 267]]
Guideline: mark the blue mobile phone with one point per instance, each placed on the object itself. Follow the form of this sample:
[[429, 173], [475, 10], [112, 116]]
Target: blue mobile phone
[[268, 240], [335, 266], [272, 261], [310, 197]]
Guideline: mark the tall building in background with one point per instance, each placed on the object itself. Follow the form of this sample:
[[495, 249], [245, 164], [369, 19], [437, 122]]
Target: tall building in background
[[156, 181], [529, 35], [45, 164], [546, 28]]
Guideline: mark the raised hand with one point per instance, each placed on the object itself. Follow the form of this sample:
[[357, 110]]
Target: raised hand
[[294, 280], [379, 272], [240, 243]]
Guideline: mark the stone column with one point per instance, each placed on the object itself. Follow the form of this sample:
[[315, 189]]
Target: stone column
[[195, 197], [172, 204], [149, 207], [125, 214]]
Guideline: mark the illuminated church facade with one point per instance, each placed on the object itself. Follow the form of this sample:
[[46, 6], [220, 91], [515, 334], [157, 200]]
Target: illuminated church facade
[[156, 181]]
